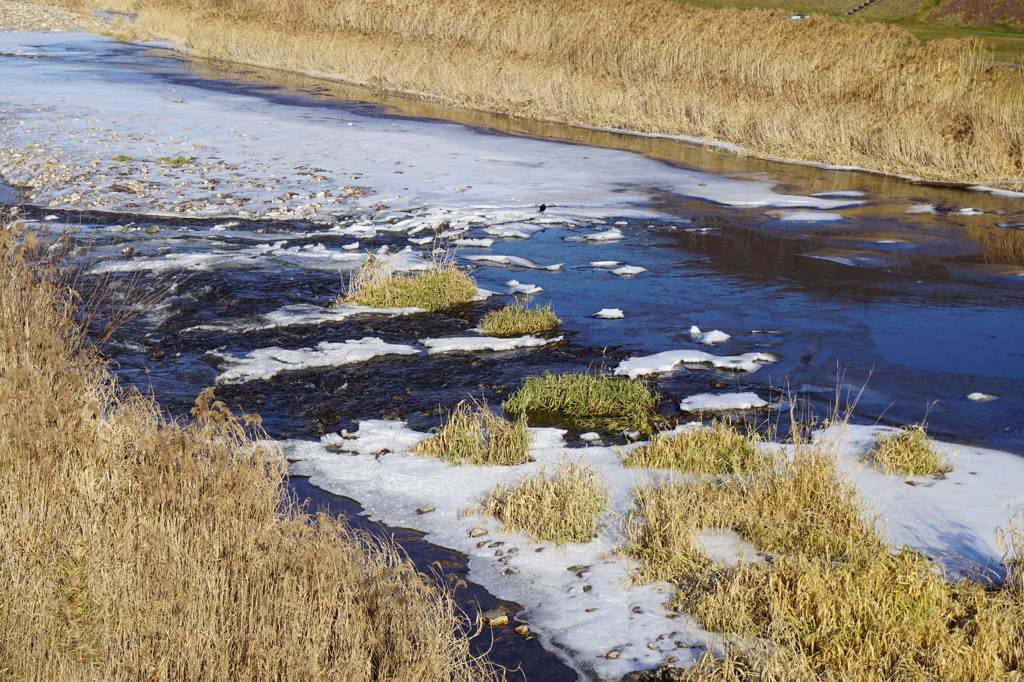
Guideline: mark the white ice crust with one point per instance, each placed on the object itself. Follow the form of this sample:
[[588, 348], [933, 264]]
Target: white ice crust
[[721, 402], [667, 361], [265, 363], [512, 261], [476, 344], [628, 270], [955, 520], [708, 338], [610, 314], [978, 396]]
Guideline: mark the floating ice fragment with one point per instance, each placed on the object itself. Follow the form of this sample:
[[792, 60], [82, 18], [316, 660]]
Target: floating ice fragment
[[922, 208], [514, 261], [711, 402], [351, 247], [668, 360], [605, 263], [708, 338], [515, 287], [606, 236], [481, 243], [420, 241], [590, 436], [610, 314], [968, 211], [980, 397], [473, 344], [809, 216], [265, 363], [628, 270]]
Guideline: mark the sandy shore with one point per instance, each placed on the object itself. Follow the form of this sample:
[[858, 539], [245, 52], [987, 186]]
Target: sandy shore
[[23, 16]]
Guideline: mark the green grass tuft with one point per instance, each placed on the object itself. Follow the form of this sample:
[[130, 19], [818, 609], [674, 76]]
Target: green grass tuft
[[121, 158], [909, 452], [563, 505], [474, 434], [589, 401], [517, 320], [717, 449]]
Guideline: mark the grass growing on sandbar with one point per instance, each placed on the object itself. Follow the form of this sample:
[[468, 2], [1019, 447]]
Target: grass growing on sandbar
[[475, 434]]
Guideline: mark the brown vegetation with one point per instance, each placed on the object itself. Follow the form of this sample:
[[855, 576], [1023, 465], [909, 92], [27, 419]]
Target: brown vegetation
[[819, 89], [137, 549], [833, 603]]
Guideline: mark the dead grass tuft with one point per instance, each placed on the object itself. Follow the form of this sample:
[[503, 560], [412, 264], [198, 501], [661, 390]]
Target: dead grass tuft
[[894, 617], [441, 286], [909, 452], [474, 434], [716, 449], [792, 504], [561, 505], [517, 320], [135, 548], [588, 401]]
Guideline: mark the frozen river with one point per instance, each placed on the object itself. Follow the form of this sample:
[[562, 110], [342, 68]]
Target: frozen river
[[240, 198]]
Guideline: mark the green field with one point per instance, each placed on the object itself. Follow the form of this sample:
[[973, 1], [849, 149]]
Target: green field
[[1007, 43]]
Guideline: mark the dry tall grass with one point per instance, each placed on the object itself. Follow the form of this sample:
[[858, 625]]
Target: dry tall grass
[[560, 505], [834, 603], [137, 549], [718, 448], [375, 283], [475, 434], [909, 451], [818, 89]]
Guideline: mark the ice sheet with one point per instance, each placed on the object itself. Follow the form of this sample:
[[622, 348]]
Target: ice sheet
[[476, 344], [708, 338], [667, 361], [721, 402], [266, 363]]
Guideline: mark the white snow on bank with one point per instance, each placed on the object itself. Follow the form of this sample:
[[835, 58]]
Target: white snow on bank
[[721, 402], [955, 519], [476, 344], [266, 363], [512, 261], [667, 361], [610, 314], [708, 338], [577, 595], [980, 397]]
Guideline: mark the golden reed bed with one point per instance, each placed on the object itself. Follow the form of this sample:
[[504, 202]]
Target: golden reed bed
[[818, 89]]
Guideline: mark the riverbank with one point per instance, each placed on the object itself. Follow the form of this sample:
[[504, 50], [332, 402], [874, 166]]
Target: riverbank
[[141, 548], [876, 98]]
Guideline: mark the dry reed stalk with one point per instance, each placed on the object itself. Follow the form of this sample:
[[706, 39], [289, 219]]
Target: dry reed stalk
[[560, 505], [475, 434], [819, 89], [140, 549]]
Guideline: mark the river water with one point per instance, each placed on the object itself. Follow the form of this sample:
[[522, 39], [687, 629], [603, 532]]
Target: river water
[[907, 295]]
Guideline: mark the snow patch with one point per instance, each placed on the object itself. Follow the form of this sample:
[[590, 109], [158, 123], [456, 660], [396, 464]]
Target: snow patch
[[266, 363], [667, 361]]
